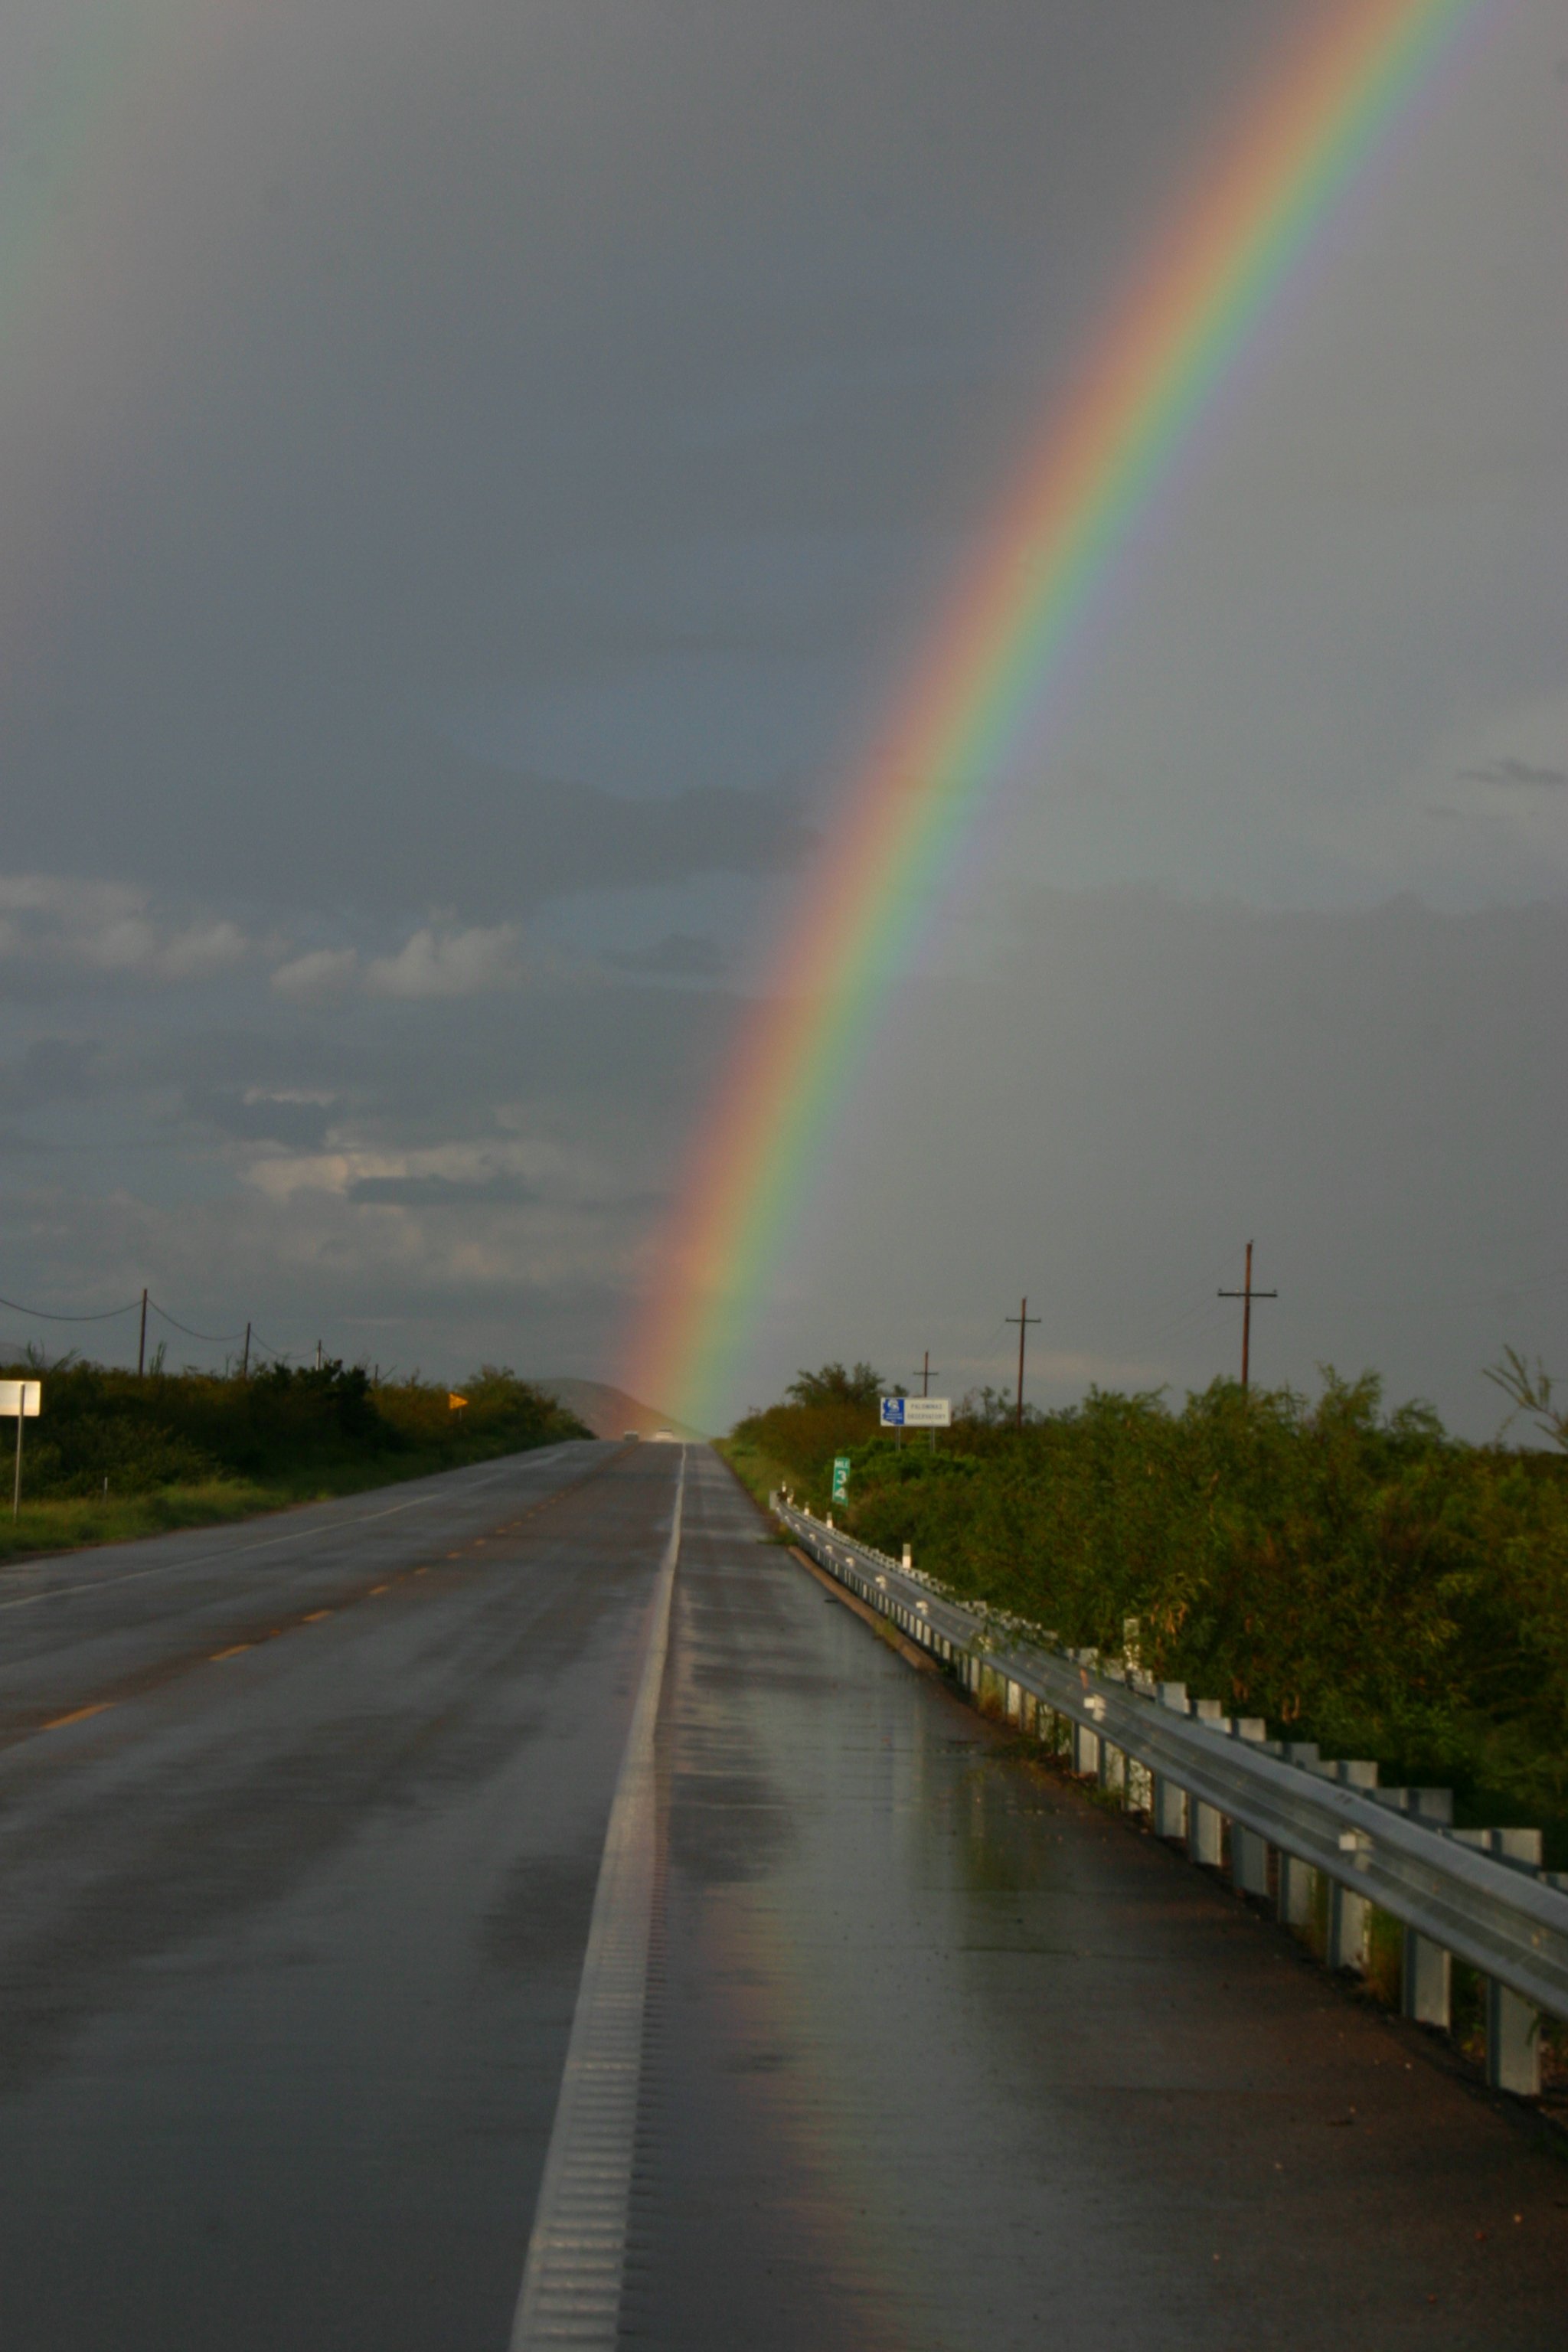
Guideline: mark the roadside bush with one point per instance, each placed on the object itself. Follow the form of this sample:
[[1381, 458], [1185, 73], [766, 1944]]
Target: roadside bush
[[1355, 1576], [294, 1425]]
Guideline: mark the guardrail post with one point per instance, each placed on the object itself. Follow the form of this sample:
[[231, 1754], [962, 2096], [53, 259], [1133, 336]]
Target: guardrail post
[[1249, 1852], [1427, 1983], [1169, 1801], [1513, 2025], [1350, 1924], [1297, 1879], [1513, 2042], [1297, 1891], [1113, 1770], [1350, 1914], [1085, 1752], [1205, 1831]]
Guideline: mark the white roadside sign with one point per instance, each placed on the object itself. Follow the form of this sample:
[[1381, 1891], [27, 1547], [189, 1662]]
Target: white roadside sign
[[917, 1413], [25, 1399]]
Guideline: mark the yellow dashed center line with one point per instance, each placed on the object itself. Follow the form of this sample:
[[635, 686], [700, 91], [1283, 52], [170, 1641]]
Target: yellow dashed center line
[[379, 1588], [315, 1616], [77, 1715], [219, 1655]]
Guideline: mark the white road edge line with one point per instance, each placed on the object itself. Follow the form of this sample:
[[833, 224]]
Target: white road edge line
[[572, 2280]]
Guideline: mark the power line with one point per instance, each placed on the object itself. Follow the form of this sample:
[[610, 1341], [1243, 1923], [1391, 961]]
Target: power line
[[213, 1338], [43, 1315]]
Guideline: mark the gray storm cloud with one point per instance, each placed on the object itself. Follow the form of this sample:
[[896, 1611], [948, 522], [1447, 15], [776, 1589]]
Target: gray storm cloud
[[474, 480]]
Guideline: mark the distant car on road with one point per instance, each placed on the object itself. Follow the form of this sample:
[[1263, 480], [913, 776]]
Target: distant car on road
[[665, 1437], [630, 1436]]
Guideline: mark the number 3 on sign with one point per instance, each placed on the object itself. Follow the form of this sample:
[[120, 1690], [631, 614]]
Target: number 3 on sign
[[841, 1477]]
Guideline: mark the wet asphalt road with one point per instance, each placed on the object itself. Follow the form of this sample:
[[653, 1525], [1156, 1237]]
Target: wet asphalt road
[[289, 1936], [936, 2054]]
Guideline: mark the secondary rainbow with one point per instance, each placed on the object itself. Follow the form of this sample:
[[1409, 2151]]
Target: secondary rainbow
[[1154, 369]]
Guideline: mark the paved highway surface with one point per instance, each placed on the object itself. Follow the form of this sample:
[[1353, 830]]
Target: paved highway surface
[[301, 1829]]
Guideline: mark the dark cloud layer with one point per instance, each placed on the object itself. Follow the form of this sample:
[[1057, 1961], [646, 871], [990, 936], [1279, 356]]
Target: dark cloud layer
[[675, 957], [470, 475]]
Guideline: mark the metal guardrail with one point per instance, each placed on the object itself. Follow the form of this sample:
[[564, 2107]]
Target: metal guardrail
[[1390, 1848]]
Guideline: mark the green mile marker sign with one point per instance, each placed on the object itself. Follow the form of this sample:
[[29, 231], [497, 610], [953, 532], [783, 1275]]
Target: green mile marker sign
[[841, 1477]]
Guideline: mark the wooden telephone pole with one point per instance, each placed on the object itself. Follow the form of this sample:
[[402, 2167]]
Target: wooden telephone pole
[[1247, 1294], [1023, 1319], [925, 1391]]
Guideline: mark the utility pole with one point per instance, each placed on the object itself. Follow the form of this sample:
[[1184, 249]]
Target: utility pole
[[245, 1359], [1023, 1319], [319, 1350], [142, 1343], [1247, 1294], [925, 1391]]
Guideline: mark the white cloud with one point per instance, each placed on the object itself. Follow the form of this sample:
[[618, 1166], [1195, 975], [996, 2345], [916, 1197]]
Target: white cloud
[[205, 948], [448, 963], [319, 973], [107, 927]]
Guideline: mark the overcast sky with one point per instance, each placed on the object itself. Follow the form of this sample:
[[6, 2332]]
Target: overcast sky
[[472, 477]]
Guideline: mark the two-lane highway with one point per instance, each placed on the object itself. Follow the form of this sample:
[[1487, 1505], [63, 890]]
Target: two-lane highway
[[925, 2050], [290, 1933]]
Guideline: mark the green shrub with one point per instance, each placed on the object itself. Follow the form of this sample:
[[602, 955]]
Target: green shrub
[[1356, 1577], [289, 1426]]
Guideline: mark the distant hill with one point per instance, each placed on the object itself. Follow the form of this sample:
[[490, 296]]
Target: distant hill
[[610, 1412]]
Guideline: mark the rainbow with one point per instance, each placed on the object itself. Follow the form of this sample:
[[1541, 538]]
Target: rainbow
[[1155, 367]]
